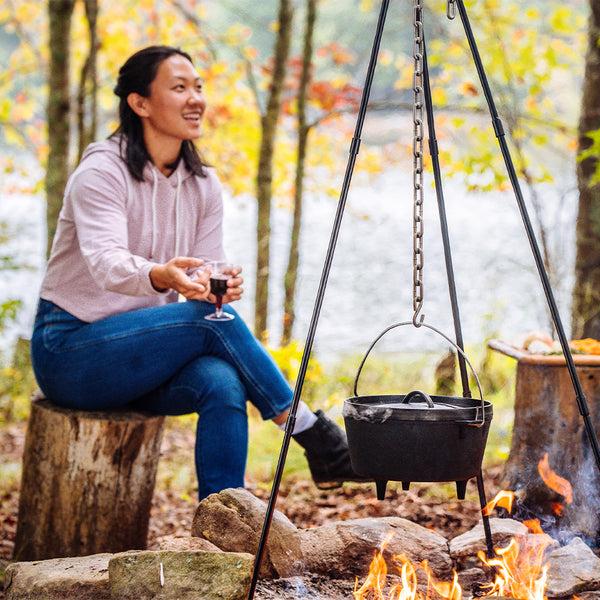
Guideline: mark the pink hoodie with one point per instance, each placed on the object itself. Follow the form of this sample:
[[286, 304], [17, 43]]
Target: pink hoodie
[[113, 229]]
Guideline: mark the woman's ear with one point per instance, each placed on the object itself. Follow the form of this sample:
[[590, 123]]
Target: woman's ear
[[137, 104]]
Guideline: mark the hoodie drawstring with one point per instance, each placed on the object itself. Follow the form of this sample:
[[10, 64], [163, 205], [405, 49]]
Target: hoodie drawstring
[[155, 218], [154, 223], [177, 212]]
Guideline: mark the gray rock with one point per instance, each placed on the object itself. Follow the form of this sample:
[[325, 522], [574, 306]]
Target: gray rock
[[593, 595], [471, 542], [166, 575], [82, 578], [573, 568], [186, 543], [346, 549], [233, 520]]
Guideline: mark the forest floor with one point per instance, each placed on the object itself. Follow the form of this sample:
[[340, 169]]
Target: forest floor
[[174, 504]]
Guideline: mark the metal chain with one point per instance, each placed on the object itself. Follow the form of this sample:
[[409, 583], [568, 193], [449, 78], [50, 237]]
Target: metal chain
[[418, 138]]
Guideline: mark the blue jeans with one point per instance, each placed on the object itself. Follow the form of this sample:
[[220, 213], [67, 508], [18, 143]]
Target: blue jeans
[[168, 360]]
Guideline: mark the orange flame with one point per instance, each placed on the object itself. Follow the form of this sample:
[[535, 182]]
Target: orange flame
[[519, 569], [520, 572], [503, 499], [406, 589], [553, 481]]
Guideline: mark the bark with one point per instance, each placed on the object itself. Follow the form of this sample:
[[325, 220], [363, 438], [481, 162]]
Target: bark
[[264, 177], [87, 482], [291, 274], [586, 292], [60, 13]]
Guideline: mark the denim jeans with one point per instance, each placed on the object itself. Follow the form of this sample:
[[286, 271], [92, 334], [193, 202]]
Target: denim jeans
[[168, 360]]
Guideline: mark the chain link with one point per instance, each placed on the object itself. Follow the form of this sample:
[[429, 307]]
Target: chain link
[[418, 138]]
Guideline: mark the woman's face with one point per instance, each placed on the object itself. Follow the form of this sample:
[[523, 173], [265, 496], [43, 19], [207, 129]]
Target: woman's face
[[176, 104]]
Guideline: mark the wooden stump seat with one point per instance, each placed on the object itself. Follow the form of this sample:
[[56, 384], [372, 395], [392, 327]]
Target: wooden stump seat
[[547, 421], [87, 481]]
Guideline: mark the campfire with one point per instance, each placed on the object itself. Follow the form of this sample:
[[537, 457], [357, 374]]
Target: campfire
[[518, 569], [407, 588]]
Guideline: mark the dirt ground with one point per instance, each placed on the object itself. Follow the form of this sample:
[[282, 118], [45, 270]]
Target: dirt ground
[[431, 506]]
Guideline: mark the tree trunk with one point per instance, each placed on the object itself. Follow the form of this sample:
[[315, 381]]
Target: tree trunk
[[291, 274], [547, 421], [264, 177], [87, 483], [586, 291], [58, 111], [87, 121]]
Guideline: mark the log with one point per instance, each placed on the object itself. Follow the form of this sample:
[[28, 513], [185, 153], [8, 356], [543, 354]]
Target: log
[[547, 420], [87, 481]]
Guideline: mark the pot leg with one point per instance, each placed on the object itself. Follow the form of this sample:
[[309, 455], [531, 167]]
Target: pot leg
[[461, 489], [381, 485], [406, 485]]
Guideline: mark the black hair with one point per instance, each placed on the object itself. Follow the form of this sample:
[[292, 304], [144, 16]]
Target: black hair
[[135, 76]]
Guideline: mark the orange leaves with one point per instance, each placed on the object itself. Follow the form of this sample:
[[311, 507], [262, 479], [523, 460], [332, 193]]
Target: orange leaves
[[336, 52], [330, 97]]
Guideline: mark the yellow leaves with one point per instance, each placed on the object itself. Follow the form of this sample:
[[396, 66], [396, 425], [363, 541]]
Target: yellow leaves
[[237, 34], [562, 20], [532, 14], [250, 53], [23, 108], [439, 97], [28, 12], [367, 5], [385, 57]]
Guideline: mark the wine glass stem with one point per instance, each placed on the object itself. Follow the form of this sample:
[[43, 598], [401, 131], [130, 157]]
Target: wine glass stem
[[219, 303]]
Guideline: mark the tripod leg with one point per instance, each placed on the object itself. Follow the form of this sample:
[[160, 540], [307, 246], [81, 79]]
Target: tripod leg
[[490, 553], [537, 255], [319, 299]]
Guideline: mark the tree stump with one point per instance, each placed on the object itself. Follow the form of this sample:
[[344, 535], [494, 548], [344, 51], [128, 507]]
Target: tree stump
[[87, 482], [547, 421]]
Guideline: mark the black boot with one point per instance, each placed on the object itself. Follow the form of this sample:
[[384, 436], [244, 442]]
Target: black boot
[[326, 450]]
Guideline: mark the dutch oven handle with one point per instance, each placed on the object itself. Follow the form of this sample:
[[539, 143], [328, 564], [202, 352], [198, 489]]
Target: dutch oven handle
[[478, 421], [418, 394]]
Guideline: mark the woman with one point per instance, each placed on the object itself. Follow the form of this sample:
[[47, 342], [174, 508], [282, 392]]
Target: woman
[[140, 213]]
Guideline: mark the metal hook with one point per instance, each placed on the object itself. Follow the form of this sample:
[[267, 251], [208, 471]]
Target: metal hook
[[451, 9], [421, 318]]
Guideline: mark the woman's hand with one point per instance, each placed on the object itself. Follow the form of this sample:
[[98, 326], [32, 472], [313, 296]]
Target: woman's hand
[[173, 275], [234, 286]]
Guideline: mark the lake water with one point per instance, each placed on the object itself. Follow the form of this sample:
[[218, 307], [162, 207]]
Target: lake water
[[370, 285]]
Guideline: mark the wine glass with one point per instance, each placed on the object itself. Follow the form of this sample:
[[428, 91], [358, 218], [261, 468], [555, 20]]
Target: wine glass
[[220, 273]]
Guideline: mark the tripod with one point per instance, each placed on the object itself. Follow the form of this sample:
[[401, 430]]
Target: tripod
[[423, 99]]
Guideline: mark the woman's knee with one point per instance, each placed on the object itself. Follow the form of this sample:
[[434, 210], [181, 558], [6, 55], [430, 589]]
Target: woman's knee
[[216, 382]]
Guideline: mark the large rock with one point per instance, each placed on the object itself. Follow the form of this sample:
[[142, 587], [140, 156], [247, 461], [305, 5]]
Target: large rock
[[83, 578], [166, 575], [233, 520], [186, 543], [572, 569], [346, 549], [464, 548]]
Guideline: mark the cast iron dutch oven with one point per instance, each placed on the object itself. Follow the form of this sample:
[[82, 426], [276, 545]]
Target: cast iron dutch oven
[[417, 437]]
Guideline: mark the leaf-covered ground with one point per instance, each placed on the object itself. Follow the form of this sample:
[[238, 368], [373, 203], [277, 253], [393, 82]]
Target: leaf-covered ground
[[432, 506]]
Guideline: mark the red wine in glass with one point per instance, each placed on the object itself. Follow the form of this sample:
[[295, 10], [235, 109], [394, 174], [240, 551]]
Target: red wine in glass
[[220, 273]]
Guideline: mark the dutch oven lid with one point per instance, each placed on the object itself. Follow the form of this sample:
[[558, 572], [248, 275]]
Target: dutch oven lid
[[416, 406]]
